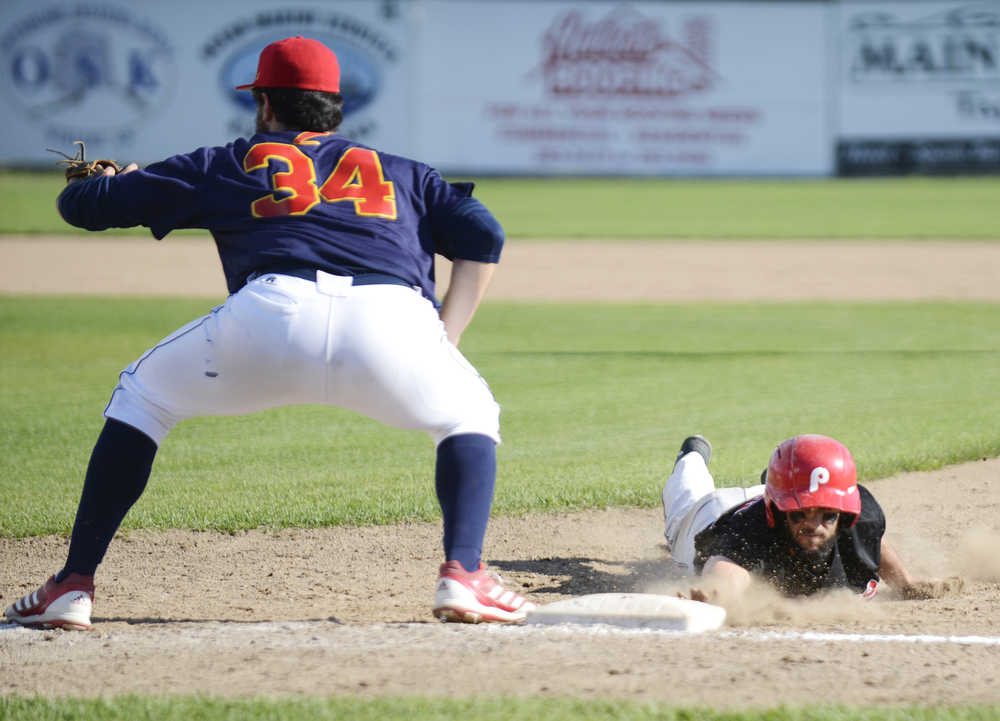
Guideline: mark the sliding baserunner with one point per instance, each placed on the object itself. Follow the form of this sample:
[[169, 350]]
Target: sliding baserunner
[[808, 527]]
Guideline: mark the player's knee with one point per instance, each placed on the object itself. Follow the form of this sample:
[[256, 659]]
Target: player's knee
[[129, 407], [481, 419]]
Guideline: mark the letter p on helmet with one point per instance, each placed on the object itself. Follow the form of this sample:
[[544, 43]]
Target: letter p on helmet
[[819, 476]]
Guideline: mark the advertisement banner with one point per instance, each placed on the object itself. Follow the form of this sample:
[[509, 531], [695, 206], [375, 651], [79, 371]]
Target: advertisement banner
[[142, 80], [624, 88], [919, 86]]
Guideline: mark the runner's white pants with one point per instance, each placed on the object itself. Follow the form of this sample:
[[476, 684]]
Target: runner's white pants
[[380, 350], [691, 502]]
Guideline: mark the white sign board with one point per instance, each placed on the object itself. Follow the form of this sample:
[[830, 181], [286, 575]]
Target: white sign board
[[144, 79], [618, 88], [919, 85]]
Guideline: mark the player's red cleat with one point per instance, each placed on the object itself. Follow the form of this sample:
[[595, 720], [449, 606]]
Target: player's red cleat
[[57, 605], [475, 597]]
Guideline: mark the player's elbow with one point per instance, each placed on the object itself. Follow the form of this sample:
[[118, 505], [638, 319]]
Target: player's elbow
[[470, 232], [77, 205]]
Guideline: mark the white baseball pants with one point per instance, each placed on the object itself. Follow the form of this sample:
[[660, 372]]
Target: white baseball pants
[[380, 350], [691, 502]]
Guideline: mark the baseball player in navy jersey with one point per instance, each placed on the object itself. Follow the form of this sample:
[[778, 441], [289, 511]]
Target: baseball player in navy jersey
[[808, 527], [328, 251]]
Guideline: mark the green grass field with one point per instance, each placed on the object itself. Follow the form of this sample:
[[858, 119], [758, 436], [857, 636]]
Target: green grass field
[[889, 208], [405, 709], [595, 400]]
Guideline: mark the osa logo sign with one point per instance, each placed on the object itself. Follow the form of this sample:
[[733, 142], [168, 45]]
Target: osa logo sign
[[91, 72]]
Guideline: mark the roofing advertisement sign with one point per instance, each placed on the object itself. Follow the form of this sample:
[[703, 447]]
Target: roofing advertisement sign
[[619, 88]]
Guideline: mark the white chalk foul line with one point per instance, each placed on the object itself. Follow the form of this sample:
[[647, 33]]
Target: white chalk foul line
[[757, 636], [607, 629], [860, 637]]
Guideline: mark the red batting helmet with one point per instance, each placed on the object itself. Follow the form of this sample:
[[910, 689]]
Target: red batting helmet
[[811, 471]]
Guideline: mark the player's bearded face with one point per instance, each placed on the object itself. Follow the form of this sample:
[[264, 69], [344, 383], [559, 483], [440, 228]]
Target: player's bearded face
[[813, 530]]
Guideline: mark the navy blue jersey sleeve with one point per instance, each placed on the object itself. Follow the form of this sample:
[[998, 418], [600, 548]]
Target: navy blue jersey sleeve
[[163, 196], [461, 226]]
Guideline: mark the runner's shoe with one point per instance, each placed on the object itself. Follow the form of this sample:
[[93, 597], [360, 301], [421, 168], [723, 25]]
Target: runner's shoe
[[57, 605], [478, 596], [695, 444]]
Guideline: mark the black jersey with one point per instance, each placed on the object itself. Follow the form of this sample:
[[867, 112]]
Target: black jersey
[[742, 535]]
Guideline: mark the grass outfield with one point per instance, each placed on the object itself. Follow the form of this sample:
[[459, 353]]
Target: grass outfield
[[888, 208], [486, 709], [595, 400]]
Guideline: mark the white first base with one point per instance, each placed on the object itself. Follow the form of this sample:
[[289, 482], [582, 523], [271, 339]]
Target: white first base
[[632, 610]]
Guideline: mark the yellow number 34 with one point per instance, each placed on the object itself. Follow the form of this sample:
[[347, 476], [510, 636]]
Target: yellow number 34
[[357, 178]]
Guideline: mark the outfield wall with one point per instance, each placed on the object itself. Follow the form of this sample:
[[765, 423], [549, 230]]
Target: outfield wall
[[529, 87]]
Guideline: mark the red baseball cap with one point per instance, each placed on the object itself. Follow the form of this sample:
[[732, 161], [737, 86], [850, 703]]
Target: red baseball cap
[[298, 62]]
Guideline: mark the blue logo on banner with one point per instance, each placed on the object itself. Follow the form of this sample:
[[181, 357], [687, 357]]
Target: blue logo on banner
[[359, 73], [363, 52], [91, 72]]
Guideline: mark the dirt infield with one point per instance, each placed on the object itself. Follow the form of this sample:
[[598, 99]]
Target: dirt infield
[[562, 271], [346, 610]]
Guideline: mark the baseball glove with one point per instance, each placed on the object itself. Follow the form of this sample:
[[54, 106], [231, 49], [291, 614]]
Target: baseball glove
[[79, 168]]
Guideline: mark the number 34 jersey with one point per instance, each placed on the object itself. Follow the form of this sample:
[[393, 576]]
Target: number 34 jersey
[[292, 199]]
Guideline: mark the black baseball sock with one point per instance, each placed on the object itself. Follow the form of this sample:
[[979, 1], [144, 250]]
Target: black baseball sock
[[464, 480], [119, 469]]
